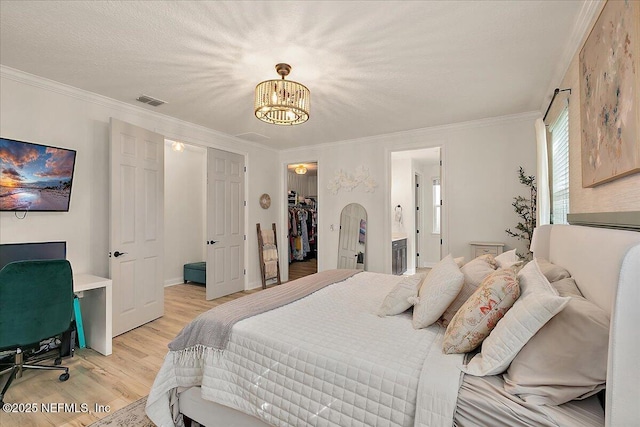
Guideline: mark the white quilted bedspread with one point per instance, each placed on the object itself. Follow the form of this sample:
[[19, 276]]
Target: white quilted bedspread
[[326, 360]]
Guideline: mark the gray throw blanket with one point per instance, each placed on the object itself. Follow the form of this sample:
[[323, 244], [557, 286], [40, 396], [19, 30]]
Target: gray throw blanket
[[212, 329]]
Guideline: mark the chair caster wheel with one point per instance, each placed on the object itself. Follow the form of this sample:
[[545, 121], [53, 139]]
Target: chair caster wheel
[[57, 361], [64, 376]]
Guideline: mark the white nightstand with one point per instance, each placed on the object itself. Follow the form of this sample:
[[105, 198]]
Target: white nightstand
[[483, 248]]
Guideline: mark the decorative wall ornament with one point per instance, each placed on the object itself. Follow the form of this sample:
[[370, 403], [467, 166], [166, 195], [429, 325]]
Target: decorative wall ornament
[[347, 181], [609, 92], [265, 201]]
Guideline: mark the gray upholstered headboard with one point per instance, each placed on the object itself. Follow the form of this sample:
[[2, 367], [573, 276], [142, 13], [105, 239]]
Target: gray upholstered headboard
[[606, 266]]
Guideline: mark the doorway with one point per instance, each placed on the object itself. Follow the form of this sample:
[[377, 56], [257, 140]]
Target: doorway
[[302, 219], [205, 217], [415, 211]]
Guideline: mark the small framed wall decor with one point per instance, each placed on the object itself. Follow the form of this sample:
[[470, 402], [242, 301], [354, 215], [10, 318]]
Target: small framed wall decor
[[265, 201]]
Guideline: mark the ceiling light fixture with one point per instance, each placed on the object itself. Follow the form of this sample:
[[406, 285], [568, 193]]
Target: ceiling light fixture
[[282, 102], [301, 170], [177, 146]]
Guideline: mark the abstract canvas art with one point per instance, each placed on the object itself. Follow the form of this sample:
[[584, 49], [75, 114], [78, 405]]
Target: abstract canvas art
[[609, 85]]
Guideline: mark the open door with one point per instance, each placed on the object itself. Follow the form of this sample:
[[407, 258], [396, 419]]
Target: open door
[[137, 225], [225, 223]]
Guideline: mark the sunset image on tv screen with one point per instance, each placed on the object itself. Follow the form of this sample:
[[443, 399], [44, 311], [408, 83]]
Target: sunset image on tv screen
[[34, 177]]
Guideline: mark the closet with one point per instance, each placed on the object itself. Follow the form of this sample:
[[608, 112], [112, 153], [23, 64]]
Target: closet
[[303, 238], [302, 219]]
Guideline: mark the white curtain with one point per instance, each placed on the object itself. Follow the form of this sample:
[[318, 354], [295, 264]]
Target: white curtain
[[542, 174]]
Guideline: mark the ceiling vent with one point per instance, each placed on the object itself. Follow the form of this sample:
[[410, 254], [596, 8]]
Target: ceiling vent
[[149, 100], [253, 137]]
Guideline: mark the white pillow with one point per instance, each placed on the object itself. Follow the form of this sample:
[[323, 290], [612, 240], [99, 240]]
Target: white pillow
[[507, 259], [439, 289], [459, 261], [537, 304], [397, 301]]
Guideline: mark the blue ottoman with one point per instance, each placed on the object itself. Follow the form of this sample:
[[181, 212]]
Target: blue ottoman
[[195, 272]]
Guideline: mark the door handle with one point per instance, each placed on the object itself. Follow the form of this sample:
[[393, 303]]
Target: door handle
[[117, 254], [211, 242]]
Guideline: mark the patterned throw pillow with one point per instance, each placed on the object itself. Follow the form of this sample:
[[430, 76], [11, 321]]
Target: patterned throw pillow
[[480, 313], [474, 272]]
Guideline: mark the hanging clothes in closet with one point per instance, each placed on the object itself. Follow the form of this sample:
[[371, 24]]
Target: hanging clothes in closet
[[302, 232]]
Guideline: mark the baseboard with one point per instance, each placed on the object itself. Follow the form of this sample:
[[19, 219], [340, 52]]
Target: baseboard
[[173, 282], [429, 264], [254, 285]]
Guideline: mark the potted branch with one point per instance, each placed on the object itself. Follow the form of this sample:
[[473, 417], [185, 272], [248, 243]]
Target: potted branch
[[525, 208]]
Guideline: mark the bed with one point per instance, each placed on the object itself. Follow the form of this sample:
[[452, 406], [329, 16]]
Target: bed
[[328, 360]]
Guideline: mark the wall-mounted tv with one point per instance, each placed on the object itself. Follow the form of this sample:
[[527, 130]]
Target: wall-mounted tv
[[35, 177]]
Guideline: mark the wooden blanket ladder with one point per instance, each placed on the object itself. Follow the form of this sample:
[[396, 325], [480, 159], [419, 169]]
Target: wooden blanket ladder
[[268, 251]]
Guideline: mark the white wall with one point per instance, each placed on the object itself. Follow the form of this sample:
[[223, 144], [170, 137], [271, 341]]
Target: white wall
[[429, 242], [481, 161], [185, 209], [402, 194], [42, 111]]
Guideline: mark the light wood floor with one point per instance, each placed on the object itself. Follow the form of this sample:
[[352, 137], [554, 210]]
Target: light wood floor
[[116, 380], [298, 269]]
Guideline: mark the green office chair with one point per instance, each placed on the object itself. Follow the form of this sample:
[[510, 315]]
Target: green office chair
[[36, 303]]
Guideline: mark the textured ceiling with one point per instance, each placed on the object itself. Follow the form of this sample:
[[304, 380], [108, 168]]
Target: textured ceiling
[[372, 67]]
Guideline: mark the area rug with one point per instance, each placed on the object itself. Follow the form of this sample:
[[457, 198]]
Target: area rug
[[131, 415]]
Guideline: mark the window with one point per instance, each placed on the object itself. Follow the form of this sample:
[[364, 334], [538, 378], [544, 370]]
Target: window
[[560, 168], [436, 205]]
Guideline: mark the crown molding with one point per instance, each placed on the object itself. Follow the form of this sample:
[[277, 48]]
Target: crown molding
[[94, 98], [581, 29], [71, 91], [490, 121]]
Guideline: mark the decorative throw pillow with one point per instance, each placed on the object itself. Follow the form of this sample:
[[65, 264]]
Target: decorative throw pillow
[[397, 301], [442, 285], [459, 261], [566, 359], [552, 272], [474, 272], [481, 312], [537, 304], [508, 259]]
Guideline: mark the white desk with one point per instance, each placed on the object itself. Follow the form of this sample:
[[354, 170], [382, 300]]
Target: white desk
[[95, 304]]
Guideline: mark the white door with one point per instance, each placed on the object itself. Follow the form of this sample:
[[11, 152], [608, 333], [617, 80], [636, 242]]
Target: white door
[[137, 225], [348, 241], [225, 223]]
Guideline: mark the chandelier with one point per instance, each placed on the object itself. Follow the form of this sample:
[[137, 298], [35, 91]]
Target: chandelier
[[282, 102], [301, 170]]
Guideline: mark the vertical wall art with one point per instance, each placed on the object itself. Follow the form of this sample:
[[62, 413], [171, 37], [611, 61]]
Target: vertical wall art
[[609, 85]]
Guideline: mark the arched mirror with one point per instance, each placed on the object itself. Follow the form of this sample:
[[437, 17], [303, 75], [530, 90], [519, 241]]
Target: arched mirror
[[353, 237]]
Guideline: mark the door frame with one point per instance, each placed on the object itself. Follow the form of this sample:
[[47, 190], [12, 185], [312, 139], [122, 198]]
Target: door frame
[[418, 203], [199, 143], [283, 249], [444, 211]]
